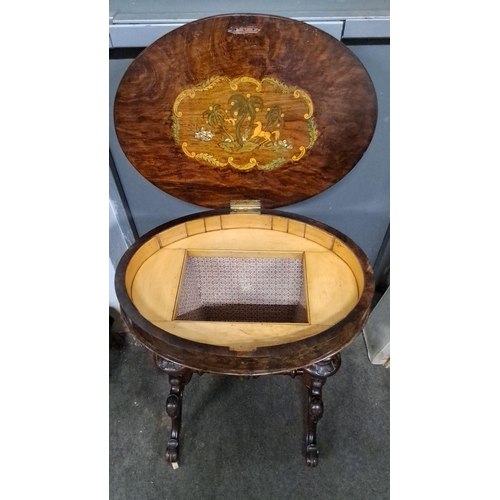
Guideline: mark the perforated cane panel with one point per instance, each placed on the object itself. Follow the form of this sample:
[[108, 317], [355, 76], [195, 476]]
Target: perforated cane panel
[[243, 289]]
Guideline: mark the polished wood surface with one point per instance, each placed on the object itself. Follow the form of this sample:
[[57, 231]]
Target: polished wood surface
[[245, 107]]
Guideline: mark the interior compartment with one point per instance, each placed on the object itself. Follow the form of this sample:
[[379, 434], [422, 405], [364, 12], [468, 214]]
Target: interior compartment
[[244, 281], [242, 289]]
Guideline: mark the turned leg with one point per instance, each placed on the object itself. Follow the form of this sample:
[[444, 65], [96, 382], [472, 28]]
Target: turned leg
[[178, 376], [314, 377]]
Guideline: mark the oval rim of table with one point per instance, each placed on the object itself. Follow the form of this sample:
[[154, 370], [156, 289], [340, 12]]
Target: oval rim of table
[[262, 360]]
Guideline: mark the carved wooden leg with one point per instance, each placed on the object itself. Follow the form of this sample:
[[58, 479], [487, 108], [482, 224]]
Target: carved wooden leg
[[314, 377], [178, 376]]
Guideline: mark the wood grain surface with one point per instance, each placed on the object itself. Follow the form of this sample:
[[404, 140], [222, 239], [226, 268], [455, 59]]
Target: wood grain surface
[[253, 47]]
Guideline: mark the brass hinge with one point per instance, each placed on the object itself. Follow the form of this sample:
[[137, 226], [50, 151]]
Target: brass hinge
[[245, 206]]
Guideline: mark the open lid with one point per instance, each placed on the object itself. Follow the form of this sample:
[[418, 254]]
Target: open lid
[[245, 107]]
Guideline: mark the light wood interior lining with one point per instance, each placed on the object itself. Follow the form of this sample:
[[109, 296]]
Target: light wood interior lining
[[331, 287], [195, 226], [155, 288], [213, 223], [296, 227], [333, 275], [348, 256], [173, 234], [138, 259], [280, 224], [319, 236], [237, 221], [261, 254]]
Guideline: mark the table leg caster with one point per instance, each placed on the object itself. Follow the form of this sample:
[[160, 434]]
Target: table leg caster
[[172, 455], [312, 455]]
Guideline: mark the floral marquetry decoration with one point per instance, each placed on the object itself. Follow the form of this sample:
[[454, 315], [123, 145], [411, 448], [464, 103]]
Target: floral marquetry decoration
[[244, 123]]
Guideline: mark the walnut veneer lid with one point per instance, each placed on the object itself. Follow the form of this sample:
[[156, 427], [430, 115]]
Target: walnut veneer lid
[[252, 107]]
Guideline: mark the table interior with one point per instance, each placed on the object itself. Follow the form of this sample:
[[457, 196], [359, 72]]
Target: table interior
[[244, 281]]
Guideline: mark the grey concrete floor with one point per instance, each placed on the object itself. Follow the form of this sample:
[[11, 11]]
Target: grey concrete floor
[[244, 438]]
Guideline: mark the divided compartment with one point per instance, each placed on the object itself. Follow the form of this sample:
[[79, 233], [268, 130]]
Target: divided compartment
[[243, 281], [243, 287]]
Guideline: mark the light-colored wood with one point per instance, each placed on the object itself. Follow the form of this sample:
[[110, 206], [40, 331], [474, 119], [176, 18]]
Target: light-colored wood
[[346, 254], [296, 227], [248, 239], [172, 235], [331, 294], [280, 224], [256, 254], [156, 284], [306, 288], [319, 236], [246, 220], [213, 223], [146, 250], [331, 286], [239, 336], [333, 278], [195, 226]]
